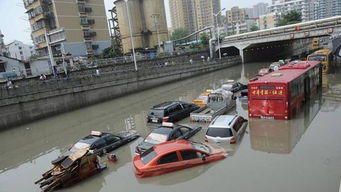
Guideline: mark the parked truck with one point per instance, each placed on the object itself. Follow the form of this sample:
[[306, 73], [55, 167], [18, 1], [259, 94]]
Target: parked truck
[[219, 102]]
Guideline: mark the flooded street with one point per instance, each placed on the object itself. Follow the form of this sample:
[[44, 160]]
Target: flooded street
[[303, 154]]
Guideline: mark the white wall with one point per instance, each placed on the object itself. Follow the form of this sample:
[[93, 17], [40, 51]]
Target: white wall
[[40, 66], [14, 65], [19, 50]]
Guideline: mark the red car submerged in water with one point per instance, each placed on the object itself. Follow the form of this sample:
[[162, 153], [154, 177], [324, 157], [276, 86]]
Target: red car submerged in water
[[175, 155]]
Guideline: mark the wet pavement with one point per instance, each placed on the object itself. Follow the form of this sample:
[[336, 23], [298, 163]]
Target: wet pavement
[[303, 154]]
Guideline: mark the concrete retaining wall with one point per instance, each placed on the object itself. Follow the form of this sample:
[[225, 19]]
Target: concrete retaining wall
[[43, 99]]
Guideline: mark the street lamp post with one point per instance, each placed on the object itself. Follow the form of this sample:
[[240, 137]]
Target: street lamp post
[[217, 29], [131, 35]]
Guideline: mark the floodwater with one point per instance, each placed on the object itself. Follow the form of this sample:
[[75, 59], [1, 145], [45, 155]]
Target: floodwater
[[303, 154]]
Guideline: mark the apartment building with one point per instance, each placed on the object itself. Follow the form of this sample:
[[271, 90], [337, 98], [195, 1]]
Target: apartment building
[[84, 23], [257, 10], [320, 9], [236, 15], [284, 6], [19, 50], [193, 15], [268, 21]]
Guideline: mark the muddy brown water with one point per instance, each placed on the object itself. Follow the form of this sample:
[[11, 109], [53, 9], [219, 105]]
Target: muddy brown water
[[303, 154]]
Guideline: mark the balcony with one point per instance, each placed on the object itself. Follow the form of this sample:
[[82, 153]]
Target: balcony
[[85, 21], [88, 35]]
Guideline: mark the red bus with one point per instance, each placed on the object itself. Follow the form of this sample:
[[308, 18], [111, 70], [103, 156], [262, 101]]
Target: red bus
[[280, 94]]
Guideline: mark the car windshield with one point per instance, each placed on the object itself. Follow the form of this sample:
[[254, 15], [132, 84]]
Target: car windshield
[[156, 138], [227, 86], [317, 58], [156, 112], [148, 155], [79, 146], [219, 132], [201, 147]]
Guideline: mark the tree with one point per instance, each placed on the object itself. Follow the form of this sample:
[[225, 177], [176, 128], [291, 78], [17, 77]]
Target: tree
[[291, 17], [254, 28], [111, 52], [204, 39], [179, 33]]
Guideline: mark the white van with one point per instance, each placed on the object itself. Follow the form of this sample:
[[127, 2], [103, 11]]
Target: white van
[[226, 128]]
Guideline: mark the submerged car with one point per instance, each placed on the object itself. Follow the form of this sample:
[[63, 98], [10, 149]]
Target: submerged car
[[264, 71], [166, 132], [232, 86], [173, 156], [237, 86], [100, 143], [170, 111], [226, 128]]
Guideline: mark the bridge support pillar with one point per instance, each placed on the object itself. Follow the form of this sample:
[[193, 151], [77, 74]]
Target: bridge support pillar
[[241, 48]]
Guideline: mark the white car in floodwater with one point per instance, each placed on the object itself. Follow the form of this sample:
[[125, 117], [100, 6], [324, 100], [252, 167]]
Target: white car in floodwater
[[226, 129]]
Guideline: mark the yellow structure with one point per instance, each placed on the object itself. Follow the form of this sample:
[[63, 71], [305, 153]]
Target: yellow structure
[[84, 23], [326, 57], [201, 101], [148, 23]]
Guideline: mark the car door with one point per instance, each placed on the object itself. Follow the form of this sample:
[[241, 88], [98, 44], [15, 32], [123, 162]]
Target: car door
[[186, 132], [112, 142], [176, 135], [169, 162], [172, 113], [192, 158], [179, 112], [98, 146]]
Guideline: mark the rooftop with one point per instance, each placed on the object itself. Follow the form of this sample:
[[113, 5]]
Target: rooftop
[[222, 121], [286, 73]]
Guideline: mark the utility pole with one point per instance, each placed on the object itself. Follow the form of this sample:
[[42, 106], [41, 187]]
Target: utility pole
[[215, 31], [49, 49]]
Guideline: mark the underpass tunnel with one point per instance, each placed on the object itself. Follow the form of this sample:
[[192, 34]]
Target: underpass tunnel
[[272, 51], [228, 51]]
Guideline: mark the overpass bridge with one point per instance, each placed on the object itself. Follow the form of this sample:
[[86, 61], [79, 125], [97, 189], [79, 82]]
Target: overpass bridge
[[280, 39]]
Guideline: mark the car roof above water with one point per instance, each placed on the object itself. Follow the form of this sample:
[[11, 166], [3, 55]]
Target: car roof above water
[[90, 139], [222, 121], [165, 105]]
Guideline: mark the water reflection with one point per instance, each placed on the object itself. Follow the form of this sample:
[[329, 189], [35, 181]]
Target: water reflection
[[280, 136]]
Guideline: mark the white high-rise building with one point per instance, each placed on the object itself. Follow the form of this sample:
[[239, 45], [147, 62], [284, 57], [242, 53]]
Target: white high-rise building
[[19, 50], [310, 9], [284, 6], [319, 9]]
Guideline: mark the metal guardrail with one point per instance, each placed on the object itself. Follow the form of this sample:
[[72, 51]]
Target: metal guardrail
[[328, 22], [119, 74]]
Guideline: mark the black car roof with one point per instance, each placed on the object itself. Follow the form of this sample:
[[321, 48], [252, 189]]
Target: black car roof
[[163, 130], [90, 139], [166, 130], [166, 104]]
